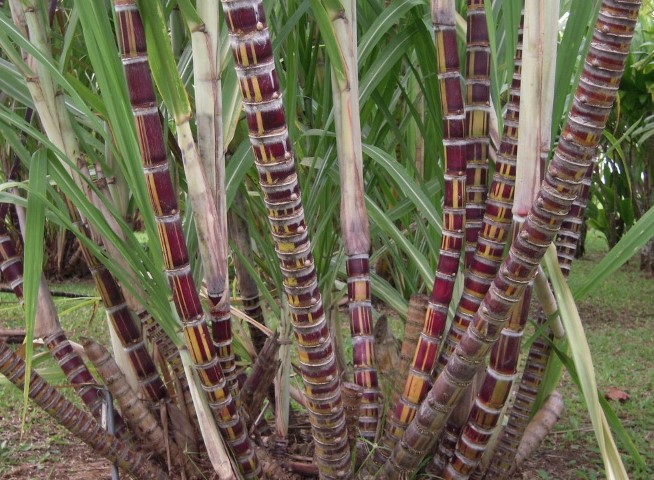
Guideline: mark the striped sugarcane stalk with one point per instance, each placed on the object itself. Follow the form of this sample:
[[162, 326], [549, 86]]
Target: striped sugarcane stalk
[[353, 214], [261, 377], [478, 64], [137, 415], [539, 38], [128, 331], [169, 226], [264, 111], [587, 119], [539, 352], [454, 132], [76, 421], [154, 332], [491, 244]]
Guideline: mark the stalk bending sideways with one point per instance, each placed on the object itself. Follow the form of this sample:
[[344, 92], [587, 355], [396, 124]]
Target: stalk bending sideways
[[539, 352], [169, 226], [587, 119], [264, 111]]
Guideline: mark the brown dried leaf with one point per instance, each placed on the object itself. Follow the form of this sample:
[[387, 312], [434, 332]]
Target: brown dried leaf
[[613, 393]]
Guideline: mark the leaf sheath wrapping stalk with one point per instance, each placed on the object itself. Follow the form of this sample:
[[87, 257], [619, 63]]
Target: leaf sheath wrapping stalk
[[353, 214], [587, 119], [264, 111], [76, 421], [142, 422], [163, 199], [455, 150]]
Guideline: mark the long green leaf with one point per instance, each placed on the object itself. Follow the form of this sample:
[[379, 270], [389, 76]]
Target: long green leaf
[[33, 256], [630, 243], [584, 365]]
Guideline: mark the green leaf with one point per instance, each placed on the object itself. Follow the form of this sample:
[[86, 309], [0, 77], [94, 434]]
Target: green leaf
[[630, 243], [33, 256]]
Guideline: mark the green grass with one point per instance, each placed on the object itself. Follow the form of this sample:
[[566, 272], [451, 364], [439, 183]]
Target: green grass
[[617, 318]]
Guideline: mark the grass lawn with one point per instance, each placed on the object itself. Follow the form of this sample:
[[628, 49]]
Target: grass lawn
[[616, 316]]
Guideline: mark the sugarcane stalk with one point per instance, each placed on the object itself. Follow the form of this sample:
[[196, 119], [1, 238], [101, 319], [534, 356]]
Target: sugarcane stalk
[[264, 111], [496, 222], [76, 421], [353, 216], [419, 378], [206, 165], [535, 102], [477, 78], [586, 121], [176, 262], [136, 413]]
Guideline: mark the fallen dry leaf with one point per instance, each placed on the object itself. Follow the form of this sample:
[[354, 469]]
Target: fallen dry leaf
[[616, 394]]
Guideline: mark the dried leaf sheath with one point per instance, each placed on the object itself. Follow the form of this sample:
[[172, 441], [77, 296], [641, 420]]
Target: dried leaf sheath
[[262, 103], [353, 214], [169, 226], [75, 420], [447, 63], [477, 119], [587, 119]]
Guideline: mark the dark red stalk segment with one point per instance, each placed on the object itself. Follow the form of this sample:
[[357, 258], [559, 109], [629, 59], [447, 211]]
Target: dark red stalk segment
[[487, 409], [363, 343], [477, 121], [76, 421], [587, 119], [163, 199], [62, 351], [490, 248], [264, 111], [128, 331], [497, 219], [539, 352], [455, 147]]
